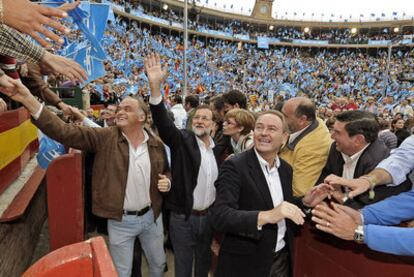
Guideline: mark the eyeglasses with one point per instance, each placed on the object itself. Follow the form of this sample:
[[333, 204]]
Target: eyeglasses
[[228, 122], [203, 118]]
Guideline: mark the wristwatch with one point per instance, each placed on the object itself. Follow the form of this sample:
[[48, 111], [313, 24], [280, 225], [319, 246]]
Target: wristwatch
[[359, 234]]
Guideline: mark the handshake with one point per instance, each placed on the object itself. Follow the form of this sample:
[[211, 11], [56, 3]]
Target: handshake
[[332, 186]]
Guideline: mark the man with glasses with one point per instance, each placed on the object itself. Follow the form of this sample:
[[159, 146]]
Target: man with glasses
[[194, 170]]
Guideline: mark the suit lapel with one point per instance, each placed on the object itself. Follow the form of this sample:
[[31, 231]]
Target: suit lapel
[[259, 179], [285, 181]]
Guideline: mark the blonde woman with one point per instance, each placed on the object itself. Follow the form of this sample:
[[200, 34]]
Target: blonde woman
[[238, 124]]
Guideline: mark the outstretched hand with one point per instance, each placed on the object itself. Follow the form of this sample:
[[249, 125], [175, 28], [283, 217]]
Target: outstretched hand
[[284, 210], [33, 19], [339, 221], [15, 89], [357, 186], [317, 194], [67, 67]]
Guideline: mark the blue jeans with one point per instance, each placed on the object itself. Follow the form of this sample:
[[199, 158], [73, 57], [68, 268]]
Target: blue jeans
[[122, 236], [191, 239]]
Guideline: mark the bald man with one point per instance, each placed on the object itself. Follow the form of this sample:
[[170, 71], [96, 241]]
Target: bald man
[[308, 145]]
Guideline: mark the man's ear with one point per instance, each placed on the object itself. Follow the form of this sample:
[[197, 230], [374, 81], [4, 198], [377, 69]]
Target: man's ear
[[360, 139], [142, 117], [285, 137]]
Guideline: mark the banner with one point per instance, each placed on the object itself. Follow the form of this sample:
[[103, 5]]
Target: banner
[[379, 42], [309, 41], [263, 42]]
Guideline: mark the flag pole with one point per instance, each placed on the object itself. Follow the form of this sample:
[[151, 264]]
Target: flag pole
[[184, 92]]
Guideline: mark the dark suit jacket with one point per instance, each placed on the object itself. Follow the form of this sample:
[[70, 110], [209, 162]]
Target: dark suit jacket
[[242, 192], [185, 160], [370, 158]]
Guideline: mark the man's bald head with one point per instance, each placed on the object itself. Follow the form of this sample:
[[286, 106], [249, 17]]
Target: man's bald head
[[299, 112]]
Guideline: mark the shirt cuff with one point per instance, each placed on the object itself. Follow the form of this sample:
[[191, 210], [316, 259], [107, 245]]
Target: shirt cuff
[[37, 114], [394, 170], [89, 123], [155, 100]]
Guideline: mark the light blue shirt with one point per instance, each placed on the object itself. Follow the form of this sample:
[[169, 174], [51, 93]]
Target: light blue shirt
[[400, 162], [391, 211]]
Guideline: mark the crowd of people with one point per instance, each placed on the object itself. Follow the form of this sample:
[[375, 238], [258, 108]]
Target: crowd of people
[[335, 80], [262, 142], [235, 27]]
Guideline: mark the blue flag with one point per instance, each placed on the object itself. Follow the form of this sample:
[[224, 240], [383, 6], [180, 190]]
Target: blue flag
[[49, 149]]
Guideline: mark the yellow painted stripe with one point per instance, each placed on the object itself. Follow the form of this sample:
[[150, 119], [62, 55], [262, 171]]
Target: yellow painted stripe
[[13, 142]]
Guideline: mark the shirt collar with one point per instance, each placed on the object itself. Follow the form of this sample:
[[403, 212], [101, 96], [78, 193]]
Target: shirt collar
[[264, 163], [355, 157], [202, 144], [294, 135], [146, 137]]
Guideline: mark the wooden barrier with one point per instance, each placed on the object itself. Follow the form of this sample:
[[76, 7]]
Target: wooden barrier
[[318, 254], [24, 209], [87, 259], [18, 143], [65, 200]]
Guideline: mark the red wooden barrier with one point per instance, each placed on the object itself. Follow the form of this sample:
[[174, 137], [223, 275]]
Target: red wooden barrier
[[87, 259], [318, 255], [65, 200], [19, 137]]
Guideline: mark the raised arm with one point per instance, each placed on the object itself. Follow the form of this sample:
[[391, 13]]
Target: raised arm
[[74, 136], [167, 130]]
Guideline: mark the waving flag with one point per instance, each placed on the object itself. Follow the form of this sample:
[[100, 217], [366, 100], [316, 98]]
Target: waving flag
[[91, 19]]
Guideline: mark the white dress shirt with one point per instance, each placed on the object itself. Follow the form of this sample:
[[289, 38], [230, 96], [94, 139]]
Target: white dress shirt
[[276, 192], [180, 116], [204, 193], [137, 189], [351, 163]]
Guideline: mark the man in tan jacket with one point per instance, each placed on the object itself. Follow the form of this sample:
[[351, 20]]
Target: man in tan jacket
[[308, 145], [128, 176]]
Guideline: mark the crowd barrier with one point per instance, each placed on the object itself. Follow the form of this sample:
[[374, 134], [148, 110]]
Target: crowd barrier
[[18, 143], [90, 258], [318, 254], [65, 200], [22, 192]]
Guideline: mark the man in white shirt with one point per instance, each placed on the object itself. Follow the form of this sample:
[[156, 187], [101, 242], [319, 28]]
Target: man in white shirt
[[180, 114], [127, 179], [355, 152], [194, 170]]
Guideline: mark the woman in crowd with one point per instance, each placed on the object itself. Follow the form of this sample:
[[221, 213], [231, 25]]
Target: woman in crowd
[[398, 128], [238, 124]]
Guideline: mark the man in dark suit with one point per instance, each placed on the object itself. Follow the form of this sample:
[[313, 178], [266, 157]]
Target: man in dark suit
[[254, 207], [194, 170], [356, 152]]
